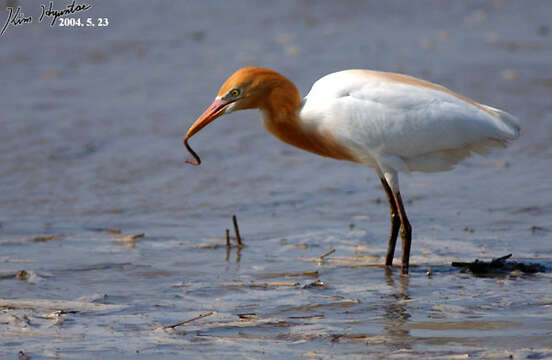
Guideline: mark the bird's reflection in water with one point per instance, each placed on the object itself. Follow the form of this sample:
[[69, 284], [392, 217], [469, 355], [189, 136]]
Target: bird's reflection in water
[[396, 312]]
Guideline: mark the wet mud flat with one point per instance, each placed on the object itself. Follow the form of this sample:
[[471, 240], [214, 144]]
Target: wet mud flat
[[309, 296]]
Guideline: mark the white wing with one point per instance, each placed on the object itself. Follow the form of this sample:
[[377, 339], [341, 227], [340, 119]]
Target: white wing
[[399, 122]]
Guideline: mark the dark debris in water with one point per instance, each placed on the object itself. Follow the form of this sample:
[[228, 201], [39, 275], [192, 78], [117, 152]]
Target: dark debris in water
[[22, 275], [44, 238], [247, 316], [319, 284], [499, 266], [21, 356]]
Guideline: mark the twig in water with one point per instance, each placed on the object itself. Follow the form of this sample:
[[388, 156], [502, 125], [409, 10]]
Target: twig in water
[[228, 239], [501, 259], [315, 316], [256, 284], [248, 316], [44, 238], [189, 320], [237, 230], [310, 273], [327, 254], [238, 254]]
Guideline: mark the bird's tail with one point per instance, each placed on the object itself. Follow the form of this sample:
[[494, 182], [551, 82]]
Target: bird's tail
[[508, 123]]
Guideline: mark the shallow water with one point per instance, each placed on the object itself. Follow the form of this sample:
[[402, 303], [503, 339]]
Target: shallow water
[[90, 140]]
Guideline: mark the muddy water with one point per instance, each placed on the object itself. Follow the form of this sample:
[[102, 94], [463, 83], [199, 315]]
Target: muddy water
[[90, 143]]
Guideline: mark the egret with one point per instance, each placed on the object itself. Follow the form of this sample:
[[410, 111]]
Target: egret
[[388, 121]]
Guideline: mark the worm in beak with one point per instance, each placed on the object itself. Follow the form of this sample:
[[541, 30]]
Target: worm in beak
[[214, 110]]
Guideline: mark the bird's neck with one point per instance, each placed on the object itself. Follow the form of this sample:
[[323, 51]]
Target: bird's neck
[[281, 118], [283, 102]]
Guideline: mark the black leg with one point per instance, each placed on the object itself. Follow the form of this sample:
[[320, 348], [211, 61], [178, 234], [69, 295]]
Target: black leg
[[406, 233], [395, 223]]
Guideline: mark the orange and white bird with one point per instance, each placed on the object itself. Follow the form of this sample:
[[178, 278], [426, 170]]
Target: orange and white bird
[[390, 122]]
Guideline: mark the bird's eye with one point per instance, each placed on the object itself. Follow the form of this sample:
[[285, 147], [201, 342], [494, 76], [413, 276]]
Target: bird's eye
[[235, 93]]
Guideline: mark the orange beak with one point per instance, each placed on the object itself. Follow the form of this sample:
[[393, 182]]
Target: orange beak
[[214, 110]]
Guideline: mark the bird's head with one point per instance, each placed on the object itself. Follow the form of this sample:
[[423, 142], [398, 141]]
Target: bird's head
[[247, 88]]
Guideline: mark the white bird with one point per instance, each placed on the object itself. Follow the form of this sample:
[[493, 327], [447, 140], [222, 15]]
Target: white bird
[[390, 122]]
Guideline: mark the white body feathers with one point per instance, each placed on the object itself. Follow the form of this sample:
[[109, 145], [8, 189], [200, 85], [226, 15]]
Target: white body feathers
[[394, 122]]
